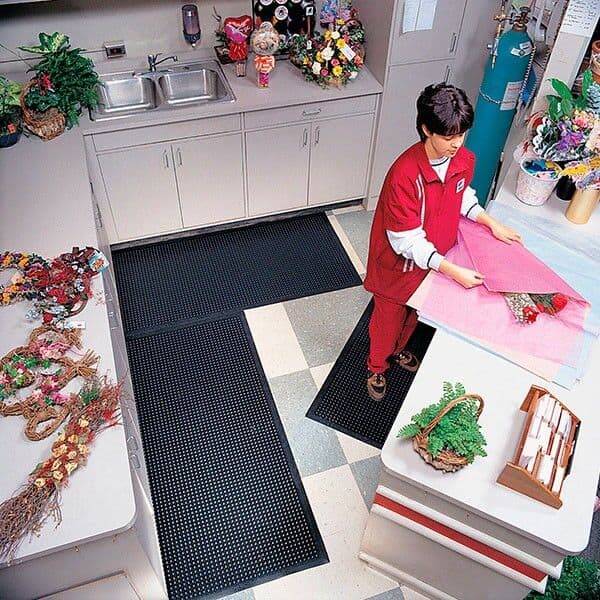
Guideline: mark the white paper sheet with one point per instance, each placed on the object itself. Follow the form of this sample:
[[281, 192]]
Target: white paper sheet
[[418, 15], [581, 17]]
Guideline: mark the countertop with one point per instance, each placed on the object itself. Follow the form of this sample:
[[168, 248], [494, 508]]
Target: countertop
[[503, 386], [46, 208]]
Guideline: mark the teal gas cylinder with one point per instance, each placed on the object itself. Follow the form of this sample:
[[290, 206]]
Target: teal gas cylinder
[[496, 104]]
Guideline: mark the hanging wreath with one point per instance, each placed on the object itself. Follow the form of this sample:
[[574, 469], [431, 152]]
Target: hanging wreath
[[331, 58], [59, 288], [25, 513], [43, 362]]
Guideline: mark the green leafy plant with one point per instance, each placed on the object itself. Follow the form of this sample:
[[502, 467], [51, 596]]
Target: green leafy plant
[[458, 430], [564, 104], [64, 78], [579, 580], [10, 108]]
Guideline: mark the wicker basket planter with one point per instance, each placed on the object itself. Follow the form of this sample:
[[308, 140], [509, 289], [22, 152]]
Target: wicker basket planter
[[47, 125], [446, 460]]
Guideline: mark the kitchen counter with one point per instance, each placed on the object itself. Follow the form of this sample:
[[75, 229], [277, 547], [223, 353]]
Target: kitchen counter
[[46, 209]]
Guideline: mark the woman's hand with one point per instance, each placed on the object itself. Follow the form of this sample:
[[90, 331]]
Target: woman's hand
[[465, 277], [504, 233]]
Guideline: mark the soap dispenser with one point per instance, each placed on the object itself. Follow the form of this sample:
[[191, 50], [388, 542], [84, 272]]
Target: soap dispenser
[[191, 24]]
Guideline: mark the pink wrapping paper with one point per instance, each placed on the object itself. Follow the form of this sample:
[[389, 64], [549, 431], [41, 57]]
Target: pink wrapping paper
[[482, 313]]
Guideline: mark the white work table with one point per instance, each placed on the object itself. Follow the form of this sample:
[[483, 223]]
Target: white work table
[[470, 502]]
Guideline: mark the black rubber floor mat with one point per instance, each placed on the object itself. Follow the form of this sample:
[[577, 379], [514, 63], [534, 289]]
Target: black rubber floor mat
[[343, 402], [185, 280], [230, 508]]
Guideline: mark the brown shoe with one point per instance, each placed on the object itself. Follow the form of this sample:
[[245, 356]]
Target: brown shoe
[[376, 386], [407, 360]]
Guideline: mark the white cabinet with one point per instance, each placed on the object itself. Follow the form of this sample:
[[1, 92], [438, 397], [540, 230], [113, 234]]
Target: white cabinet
[[277, 166], [439, 42], [210, 179], [164, 187], [339, 159], [140, 184], [316, 162], [397, 129]]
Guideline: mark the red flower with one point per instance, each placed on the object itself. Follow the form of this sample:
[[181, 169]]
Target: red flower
[[47, 318], [559, 301], [11, 128], [540, 307], [530, 314]]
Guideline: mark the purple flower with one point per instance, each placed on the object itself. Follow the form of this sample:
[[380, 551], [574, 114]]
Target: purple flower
[[569, 139]]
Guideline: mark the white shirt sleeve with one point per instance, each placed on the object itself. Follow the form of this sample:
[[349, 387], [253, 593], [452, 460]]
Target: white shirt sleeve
[[470, 205], [414, 245]]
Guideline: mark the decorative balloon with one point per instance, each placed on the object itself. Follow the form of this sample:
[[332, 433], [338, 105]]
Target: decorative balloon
[[237, 30], [264, 42]]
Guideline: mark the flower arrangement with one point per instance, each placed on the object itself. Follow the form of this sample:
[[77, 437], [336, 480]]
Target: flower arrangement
[[571, 128], [10, 108], [64, 79], [331, 58], [526, 308], [26, 512], [59, 288], [585, 173]]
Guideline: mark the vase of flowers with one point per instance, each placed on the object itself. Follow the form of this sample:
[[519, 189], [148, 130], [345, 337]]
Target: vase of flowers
[[64, 83], [10, 112]]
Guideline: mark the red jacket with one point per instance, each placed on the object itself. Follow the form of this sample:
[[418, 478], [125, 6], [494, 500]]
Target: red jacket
[[412, 196]]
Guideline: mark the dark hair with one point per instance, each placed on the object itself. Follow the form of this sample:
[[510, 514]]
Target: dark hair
[[443, 109]]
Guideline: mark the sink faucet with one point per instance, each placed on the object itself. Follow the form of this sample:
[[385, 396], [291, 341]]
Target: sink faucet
[[153, 63]]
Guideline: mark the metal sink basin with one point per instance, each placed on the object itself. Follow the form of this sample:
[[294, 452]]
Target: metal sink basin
[[124, 94], [183, 87]]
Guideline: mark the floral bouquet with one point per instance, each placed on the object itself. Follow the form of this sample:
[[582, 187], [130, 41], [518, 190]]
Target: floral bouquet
[[527, 307], [585, 173], [571, 128], [330, 58]]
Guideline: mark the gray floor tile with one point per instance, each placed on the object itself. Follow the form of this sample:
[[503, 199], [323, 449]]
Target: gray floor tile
[[243, 595], [395, 594], [357, 226], [315, 447], [324, 322], [366, 473]]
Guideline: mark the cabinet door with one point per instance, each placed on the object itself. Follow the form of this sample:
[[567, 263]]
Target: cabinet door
[[210, 179], [141, 190], [277, 166], [440, 42], [397, 120], [339, 159]]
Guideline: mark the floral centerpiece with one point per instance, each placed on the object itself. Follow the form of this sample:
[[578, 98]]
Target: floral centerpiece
[[10, 112], [570, 129]]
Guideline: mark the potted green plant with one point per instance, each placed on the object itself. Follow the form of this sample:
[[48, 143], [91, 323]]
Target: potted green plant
[[447, 434], [579, 580], [64, 83], [10, 112]]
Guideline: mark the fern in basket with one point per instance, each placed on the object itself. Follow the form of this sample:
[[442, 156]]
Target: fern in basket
[[458, 430]]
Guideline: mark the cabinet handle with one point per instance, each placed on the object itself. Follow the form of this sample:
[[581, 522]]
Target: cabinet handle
[[311, 113], [317, 135], [305, 138], [166, 158], [453, 41], [179, 159], [448, 73], [135, 461], [132, 443]]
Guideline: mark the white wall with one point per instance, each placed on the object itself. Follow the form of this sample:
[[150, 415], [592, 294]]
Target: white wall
[[145, 25]]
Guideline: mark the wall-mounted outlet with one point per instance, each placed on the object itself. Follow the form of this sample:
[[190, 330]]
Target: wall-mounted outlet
[[115, 49]]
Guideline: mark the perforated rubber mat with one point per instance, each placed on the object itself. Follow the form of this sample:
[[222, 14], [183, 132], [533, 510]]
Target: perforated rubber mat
[[185, 280], [229, 504], [343, 402]]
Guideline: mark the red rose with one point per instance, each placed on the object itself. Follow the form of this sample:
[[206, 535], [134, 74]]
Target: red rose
[[530, 314], [47, 318], [559, 301]]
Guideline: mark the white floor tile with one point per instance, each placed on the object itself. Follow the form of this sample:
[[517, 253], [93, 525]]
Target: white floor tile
[[319, 374], [275, 340], [341, 516], [352, 254], [354, 449]]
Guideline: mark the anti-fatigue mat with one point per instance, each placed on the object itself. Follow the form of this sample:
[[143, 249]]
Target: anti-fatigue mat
[[229, 504], [187, 279], [343, 402]]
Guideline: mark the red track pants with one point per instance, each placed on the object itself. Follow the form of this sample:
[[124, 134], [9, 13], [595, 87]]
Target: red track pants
[[390, 328]]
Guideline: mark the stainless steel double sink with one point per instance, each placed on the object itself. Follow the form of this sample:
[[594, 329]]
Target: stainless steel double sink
[[126, 93]]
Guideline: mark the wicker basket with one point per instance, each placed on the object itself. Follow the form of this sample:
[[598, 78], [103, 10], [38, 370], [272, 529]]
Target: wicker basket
[[446, 460], [47, 124]]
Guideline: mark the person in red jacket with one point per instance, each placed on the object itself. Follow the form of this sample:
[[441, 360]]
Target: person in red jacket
[[416, 220]]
